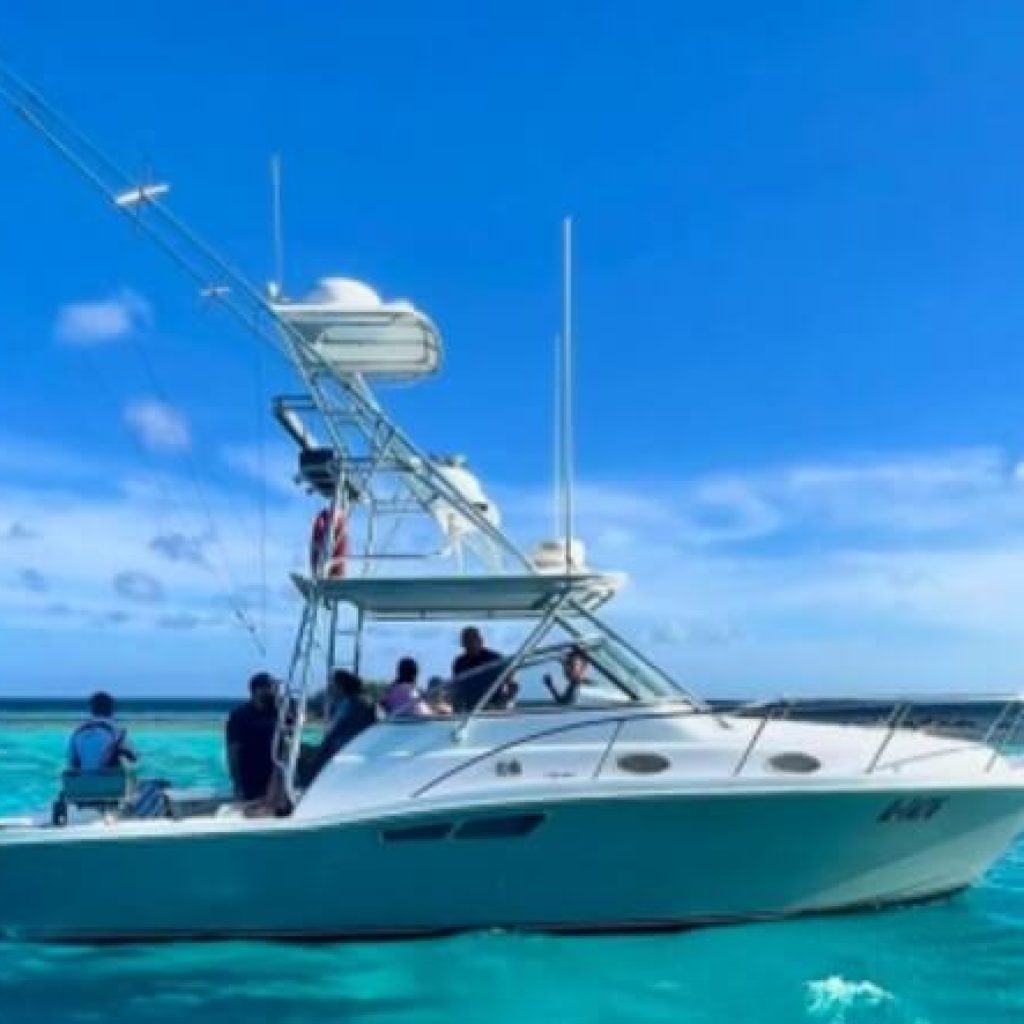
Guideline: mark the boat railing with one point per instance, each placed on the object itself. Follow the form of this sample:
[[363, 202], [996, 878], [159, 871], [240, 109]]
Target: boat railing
[[1001, 734], [779, 709], [898, 715]]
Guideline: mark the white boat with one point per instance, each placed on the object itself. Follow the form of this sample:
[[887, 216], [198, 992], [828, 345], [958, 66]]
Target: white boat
[[634, 807], [633, 810]]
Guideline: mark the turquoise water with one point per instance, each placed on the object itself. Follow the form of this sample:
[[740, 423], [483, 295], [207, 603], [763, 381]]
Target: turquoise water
[[961, 960]]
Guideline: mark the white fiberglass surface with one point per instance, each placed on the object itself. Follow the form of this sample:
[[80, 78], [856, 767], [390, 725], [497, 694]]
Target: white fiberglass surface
[[385, 342], [513, 754]]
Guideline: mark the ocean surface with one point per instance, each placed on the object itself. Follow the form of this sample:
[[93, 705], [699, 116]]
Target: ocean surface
[[960, 960]]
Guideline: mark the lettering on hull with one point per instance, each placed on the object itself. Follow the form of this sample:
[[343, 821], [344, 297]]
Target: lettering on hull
[[913, 808]]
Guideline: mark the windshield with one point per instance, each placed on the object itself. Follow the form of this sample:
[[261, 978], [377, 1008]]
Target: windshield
[[584, 674]]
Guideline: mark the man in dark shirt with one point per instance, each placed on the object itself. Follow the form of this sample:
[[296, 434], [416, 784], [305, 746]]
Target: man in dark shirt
[[485, 666], [250, 739]]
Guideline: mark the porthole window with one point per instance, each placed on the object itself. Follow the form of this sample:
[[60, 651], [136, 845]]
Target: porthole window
[[794, 761], [644, 763]]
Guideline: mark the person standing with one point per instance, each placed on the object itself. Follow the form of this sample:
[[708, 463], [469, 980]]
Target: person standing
[[250, 739]]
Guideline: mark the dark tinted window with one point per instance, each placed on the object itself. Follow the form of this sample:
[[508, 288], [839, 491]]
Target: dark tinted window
[[508, 826], [417, 833]]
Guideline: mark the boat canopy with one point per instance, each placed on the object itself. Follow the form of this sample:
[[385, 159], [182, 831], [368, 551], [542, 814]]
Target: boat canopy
[[410, 598], [353, 331]]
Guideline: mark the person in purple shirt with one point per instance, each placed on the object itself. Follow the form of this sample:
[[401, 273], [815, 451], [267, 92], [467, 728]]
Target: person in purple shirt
[[403, 696]]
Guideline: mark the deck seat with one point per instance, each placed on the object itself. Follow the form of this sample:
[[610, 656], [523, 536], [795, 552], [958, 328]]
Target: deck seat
[[104, 789]]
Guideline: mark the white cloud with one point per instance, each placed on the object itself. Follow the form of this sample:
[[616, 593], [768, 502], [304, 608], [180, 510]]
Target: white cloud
[[180, 547], [37, 460], [956, 468], [99, 321], [974, 489], [159, 426], [92, 527], [891, 498], [728, 510], [17, 532], [896, 573], [274, 466], [181, 620], [133, 585], [33, 580]]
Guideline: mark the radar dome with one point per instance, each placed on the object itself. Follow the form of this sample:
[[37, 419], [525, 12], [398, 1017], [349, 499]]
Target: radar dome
[[344, 293]]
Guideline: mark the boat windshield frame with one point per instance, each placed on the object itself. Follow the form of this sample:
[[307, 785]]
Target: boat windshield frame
[[639, 688]]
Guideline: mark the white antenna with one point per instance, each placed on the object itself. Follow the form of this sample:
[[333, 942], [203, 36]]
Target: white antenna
[[556, 462], [277, 285], [566, 382]]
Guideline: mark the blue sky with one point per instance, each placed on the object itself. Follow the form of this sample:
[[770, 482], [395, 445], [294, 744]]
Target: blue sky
[[800, 234]]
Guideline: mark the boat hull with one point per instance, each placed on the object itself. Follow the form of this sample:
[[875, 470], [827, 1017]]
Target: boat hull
[[586, 864]]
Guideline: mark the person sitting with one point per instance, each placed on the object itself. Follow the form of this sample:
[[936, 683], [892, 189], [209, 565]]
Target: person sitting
[[99, 743], [574, 666], [96, 777], [437, 696], [249, 735], [354, 712], [403, 697], [480, 667]]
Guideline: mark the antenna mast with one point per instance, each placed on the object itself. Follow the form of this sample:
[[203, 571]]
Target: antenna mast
[[556, 434], [566, 453], [277, 285]]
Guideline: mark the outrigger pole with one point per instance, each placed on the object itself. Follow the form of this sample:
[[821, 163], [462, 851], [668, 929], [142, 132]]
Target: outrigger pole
[[219, 281]]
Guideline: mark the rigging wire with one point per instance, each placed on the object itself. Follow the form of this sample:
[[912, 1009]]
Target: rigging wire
[[234, 594], [178, 517], [167, 505], [261, 459], [217, 278], [108, 177], [277, 233]]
